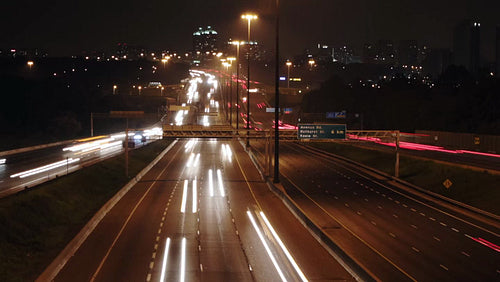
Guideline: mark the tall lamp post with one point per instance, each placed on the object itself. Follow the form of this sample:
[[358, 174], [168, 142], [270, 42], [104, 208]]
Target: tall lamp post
[[276, 178], [231, 59], [249, 18], [288, 64], [237, 43]]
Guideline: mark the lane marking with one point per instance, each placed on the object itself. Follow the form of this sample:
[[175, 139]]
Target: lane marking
[[392, 235], [443, 267], [436, 238], [465, 254], [221, 184], [443, 224], [415, 249], [350, 231], [128, 219], [404, 195], [454, 229]]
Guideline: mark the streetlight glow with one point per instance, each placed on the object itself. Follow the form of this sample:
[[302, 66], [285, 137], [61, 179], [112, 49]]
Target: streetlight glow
[[249, 18], [288, 64]]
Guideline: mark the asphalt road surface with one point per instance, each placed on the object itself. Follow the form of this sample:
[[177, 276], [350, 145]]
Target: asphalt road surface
[[194, 217]]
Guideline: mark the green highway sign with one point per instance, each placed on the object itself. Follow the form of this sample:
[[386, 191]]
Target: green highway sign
[[321, 131]]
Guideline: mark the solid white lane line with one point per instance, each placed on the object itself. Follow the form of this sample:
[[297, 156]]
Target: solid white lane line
[[269, 253], [221, 184], [210, 183], [184, 196], [183, 261], [195, 201]]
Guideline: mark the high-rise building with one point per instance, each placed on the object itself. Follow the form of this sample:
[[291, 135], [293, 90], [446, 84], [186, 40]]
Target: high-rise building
[[436, 61], [408, 52], [497, 52], [205, 40], [466, 45], [343, 54]]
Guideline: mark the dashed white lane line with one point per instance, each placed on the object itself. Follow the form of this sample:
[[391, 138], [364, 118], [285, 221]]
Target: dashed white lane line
[[404, 205], [415, 249], [454, 229], [366, 200], [392, 235], [395, 215], [422, 214], [373, 222], [346, 204], [465, 254], [151, 264], [397, 202], [379, 207], [436, 238], [414, 226], [413, 210], [432, 218], [443, 267], [359, 213], [443, 224], [336, 198], [149, 277]]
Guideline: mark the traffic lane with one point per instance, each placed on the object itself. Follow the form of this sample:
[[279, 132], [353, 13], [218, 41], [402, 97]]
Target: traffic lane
[[84, 263], [311, 257], [213, 250], [334, 226], [220, 253], [403, 218]]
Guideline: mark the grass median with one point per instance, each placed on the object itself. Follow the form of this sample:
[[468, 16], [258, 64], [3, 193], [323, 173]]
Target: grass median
[[36, 225], [475, 188]]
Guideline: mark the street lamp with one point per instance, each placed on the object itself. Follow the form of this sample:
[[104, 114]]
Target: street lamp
[[164, 61], [312, 62], [114, 89], [231, 59], [237, 43], [249, 18], [288, 64], [30, 64], [140, 88]]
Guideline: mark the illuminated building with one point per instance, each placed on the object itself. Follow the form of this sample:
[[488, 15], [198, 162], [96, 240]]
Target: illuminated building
[[205, 40]]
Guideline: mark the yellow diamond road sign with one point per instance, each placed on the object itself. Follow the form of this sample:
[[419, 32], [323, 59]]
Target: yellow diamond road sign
[[447, 183]]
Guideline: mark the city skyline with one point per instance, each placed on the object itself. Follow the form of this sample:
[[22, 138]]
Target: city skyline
[[67, 30]]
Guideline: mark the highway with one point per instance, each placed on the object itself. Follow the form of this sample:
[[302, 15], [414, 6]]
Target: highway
[[28, 169], [391, 231], [196, 201], [395, 234], [202, 213]]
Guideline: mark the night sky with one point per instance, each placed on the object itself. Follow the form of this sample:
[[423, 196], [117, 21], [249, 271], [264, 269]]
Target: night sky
[[68, 27]]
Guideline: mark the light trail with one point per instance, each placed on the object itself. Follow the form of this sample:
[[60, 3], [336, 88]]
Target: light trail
[[183, 261], [44, 168], [268, 250], [221, 185], [195, 200], [184, 196], [285, 250], [190, 160], [210, 183], [197, 160], [165, 257]]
